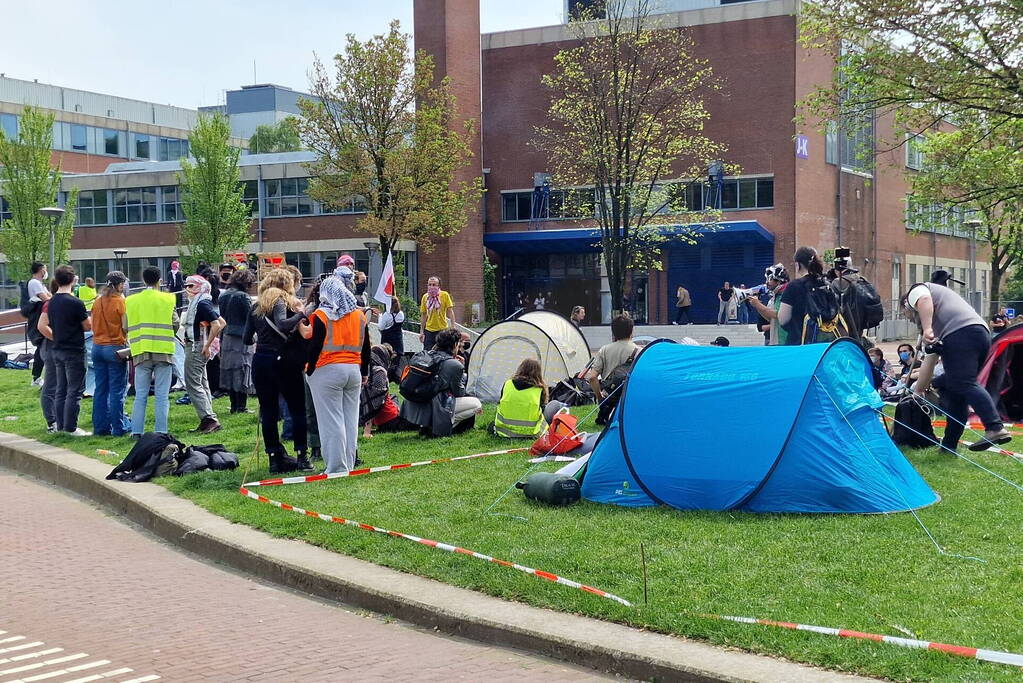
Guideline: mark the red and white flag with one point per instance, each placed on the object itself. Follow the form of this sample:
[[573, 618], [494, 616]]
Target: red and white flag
[[385, 287]]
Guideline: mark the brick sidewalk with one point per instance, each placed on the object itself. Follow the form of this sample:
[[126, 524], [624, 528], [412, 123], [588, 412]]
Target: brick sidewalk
[[74, 578]]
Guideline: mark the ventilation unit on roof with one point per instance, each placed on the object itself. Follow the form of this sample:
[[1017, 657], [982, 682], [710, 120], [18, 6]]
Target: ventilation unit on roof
[[78, 107], [110, 113]]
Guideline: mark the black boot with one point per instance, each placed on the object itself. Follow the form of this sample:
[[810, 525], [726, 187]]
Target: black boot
[[281, 462], [302, 464], [316, 455]]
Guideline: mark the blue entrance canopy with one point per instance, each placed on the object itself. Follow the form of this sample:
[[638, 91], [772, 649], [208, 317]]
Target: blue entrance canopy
[[587, 240]]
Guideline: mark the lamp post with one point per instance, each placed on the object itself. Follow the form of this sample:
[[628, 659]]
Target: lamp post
[[54, 213], [376, 265], [972, 224], [119, 255]]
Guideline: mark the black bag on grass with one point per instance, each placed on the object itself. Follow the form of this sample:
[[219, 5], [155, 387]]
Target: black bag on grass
[[912, 427], [153, 455]]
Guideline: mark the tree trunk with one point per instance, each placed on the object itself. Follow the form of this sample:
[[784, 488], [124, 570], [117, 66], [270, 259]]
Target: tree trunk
[[996, 287]]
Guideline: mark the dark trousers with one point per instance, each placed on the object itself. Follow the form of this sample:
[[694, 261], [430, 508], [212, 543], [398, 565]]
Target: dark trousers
[[38, 361], [69, 366], [962, 354], [274, 379], [429, 339], [49, 391], [239, 400], [682, 312]]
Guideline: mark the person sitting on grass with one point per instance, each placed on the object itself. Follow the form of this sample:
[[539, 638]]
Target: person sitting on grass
[[450, 411], [375, 389], [525, 409], [386, 418]]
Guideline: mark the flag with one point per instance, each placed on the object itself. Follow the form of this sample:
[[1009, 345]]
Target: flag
[[385, 287]]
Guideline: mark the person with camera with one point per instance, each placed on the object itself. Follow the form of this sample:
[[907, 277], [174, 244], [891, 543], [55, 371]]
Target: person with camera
[[448, 410], [952, 331]]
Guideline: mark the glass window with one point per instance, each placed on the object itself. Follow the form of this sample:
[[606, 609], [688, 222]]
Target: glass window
[[111, 142], [508, 207], [914, 156], [141, 146], [5, 209], [170, 200], [831, 143], [172, 149], [92, 208], [288, 197], [78, 135], [747, 194], [9, 126], [765, 193], [250, 195], [730, 194], [135, 205]]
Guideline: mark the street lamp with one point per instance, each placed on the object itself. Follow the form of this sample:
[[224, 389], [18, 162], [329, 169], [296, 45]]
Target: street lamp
[[54, 213], [119, 255], [972, 224]]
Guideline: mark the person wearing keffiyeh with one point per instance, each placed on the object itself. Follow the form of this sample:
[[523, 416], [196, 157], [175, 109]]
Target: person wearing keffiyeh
[[337, 365], [202, 326], [435, 310]]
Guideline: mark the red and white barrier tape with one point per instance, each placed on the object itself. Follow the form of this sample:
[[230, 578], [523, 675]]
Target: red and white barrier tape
[[958, 650], [554, 578], [1000, 451]]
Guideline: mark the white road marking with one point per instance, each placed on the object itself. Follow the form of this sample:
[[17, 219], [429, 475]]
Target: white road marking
[[65, 674]]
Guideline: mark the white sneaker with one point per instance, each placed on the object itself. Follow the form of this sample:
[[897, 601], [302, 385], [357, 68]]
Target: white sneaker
[[51, 428], [80, 432], [674, 323], [37, 382]]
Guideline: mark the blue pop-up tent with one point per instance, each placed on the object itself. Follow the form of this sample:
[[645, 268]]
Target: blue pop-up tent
[[762, 429]]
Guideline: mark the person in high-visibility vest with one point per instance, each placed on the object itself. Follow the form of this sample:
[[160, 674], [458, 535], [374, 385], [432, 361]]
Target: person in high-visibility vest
[[525, 408], [151, 322], [337, 366], [87, 293]]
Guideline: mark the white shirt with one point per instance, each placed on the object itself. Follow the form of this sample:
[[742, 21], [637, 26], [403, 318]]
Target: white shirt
[[35, 288], [917, 293], [388, 320], [539, 302]]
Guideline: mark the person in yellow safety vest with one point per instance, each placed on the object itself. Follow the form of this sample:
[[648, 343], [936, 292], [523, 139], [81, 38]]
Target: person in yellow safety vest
[[151, 322], [525, 408], [87, 293]]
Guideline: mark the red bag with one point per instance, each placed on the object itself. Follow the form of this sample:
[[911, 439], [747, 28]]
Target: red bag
[[561, 437]]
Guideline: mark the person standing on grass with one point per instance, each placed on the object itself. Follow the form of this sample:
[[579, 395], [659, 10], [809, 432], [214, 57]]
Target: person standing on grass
[[175, 281], [578, 316], [683, 302], [235, 353], [49, 389], [151, 323], [87, 293], [277, 367], [337, 365], [108, 337], [202, 327], [436, 311], [38, 294], [64, 323]]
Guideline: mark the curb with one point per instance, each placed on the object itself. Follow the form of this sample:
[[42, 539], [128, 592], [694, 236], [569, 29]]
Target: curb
[[583, 641]]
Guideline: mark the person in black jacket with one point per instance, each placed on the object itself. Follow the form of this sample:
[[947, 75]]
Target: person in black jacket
[[235, 354], [277, 366]]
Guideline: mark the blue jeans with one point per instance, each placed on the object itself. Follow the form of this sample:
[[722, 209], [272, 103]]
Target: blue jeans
[[145, 374], [111, 382], [90, 373]]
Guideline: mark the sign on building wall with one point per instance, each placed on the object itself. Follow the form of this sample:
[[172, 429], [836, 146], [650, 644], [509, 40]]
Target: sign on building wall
[[802, 147]]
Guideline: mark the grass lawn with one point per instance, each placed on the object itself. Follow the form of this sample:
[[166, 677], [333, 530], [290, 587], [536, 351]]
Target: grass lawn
[[876, 573]]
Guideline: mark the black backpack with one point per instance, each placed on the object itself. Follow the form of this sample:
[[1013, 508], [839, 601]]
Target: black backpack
[[27, 307], [419, 381], [823, 321], [912, 427], [861, 304]]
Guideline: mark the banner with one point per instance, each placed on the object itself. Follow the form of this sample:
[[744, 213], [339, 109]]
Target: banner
[[385, 287]]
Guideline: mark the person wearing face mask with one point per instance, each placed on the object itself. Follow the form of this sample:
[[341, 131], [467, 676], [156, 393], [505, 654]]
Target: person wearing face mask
[[436, 311], [776, 279]]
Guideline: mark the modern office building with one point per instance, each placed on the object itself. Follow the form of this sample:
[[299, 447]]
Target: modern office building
[[797, 185], [258, 105]]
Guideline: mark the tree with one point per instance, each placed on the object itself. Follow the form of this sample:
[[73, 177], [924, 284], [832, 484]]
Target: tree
[[627, 115], [922, 62], [277, 137], [383, 137], [28, 184], [216, 218], [956, 164]]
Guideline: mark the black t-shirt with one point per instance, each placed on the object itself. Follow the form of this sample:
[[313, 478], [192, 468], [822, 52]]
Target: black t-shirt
[[724, 294], [204, 313], [66, 313], [795, 295]]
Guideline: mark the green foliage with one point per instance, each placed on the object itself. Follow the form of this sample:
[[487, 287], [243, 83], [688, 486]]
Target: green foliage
[[276, 137], [216, 218], [383, 134], [401, 285], [627, 115], [967, 167], [29, 183], [876, 573], [490, 301], [921, 63]]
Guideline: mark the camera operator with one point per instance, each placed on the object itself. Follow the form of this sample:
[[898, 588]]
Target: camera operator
[[955, 333], [776, 278]]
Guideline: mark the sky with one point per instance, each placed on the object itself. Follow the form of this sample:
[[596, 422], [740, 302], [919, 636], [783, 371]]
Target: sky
[[188, 52]]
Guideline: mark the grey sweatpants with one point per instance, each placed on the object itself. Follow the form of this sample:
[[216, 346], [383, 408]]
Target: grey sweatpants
[[196, 383], [336, 388]]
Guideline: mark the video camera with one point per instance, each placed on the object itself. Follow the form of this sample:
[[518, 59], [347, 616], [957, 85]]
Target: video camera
[[842, 264]]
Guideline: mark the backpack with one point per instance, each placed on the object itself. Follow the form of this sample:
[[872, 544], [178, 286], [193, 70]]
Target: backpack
[[561, 437], [419, 381], [861, 304], [823, 321], [912, 427], [153, 455], [372, 398], [612, 387], [27, 307]]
